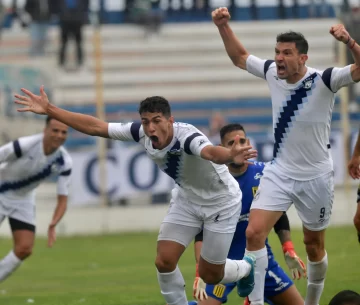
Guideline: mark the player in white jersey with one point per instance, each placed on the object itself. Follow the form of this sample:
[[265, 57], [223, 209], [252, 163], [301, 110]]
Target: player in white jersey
[[24, 164], [354, 171], [302, 170], [206, 194]]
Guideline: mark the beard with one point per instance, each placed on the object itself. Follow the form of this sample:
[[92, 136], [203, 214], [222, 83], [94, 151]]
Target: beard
[[236, 166]]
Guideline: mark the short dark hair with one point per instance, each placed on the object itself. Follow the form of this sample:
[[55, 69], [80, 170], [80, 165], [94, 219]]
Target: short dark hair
[[48, 119], [300, 42], [230, 128], [155, 104], [346, 297]]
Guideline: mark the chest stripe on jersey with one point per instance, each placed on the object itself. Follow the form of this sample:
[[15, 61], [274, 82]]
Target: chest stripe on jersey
[[17, 148], [289, 112], [188, 142], [267, 66], [135, 131], [45, 173], [173, 161]]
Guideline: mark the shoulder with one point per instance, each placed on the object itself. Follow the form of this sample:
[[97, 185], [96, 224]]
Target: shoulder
[[68, 162], [183, 131], [257, 166], [27, 142]]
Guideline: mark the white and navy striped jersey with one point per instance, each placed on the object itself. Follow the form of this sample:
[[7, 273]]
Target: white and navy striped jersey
[[23, 166], [200, 181], [301, 117]]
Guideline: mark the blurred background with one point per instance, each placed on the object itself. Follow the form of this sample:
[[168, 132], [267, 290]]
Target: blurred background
[[110, 54]]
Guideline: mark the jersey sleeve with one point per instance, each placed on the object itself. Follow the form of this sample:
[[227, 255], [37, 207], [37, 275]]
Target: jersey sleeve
[[336, 78], [64, 178], [195, 142], [257, 66], [16, 149], [125, 132]]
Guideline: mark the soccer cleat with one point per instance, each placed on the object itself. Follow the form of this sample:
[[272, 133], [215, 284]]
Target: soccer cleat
[[246, 285]]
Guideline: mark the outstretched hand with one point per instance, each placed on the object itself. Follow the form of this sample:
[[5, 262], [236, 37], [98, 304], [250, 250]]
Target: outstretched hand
[[220, 16], [33, 103], [340, 33], [240, 154]]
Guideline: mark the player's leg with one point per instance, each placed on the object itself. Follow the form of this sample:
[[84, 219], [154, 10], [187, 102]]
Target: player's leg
[[219, 227], [279, 288], [23, 236], [313, 203], [290, 296], [176, 232], [269, 203], [357, 215]]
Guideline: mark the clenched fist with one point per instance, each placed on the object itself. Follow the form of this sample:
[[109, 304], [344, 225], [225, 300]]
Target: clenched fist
[[340, 33], [220, 16]]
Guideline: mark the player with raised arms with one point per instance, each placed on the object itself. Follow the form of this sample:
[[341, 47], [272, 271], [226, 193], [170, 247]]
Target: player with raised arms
[[301, 172], [205, 196]]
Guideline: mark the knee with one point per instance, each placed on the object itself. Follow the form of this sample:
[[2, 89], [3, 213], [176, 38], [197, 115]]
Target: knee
[[23, 251], [165, 264], [315, 248], [211, 277], [255, 235]]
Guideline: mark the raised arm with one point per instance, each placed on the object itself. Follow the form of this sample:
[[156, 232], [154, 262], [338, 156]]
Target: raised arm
[[294, 262], [40, 104], [234, 48], [341, 34]]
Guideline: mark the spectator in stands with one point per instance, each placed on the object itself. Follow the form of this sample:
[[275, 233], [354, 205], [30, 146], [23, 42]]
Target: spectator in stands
[[2, 17], [40, 12], [346, 297], [73, 15], [148, 14], [324, 9]]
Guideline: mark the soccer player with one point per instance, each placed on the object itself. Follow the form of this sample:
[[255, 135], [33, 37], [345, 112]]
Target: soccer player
[[302, 168], [205, 194], [279, 288], [354, 171], [25, 163]]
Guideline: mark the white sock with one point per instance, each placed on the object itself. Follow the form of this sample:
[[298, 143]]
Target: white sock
[[316, 277], [8, 265], [172, 287], [235, 270], [257, 295]]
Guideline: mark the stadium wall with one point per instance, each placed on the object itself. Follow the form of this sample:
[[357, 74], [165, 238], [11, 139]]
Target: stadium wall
[[91, 220]]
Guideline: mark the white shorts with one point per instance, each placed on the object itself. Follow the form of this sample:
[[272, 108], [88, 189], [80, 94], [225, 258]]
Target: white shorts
[[185, 220], [312, 199], [24, 212]]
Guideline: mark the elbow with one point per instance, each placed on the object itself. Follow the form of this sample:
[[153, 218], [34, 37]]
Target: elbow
[[240, 60]]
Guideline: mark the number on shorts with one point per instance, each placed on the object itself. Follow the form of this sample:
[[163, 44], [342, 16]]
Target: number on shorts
[[275, 277], [322, 213]]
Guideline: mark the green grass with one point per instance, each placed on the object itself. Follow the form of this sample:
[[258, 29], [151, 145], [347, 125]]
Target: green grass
[[119, 269]]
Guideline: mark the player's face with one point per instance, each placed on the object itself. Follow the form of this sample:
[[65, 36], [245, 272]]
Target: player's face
[[158, 128], [55, 134], [289, 61], [228, 141]]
